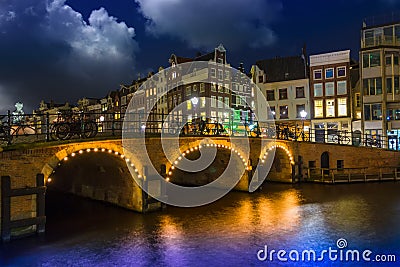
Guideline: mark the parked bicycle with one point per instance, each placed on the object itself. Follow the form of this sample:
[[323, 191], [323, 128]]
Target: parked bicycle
[[5, 131], [64, 130], [372, 142], [341, 139]]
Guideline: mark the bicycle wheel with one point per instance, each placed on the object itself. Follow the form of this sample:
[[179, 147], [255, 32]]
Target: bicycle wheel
[[53, 132], [346, 140], [63, 131], [89, 130], [335, 139]]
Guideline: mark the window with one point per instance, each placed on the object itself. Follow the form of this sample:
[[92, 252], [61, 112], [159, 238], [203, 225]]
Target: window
[[189, 105], [300, 92], [317, 74], [358, 100], [213, 73], [342, 106], [283, 112], [272, 114], [342, 87], [213, 87], [340, 164], [329, 89], [330, 107], [226, 75], [213, 101], [341, 72], [372, 112], [188, 90], [318, 109], [389, 86], [282, 93], [226, 101], [174, 75], [299, 108], [329, 73], [318, 89], [202, 102], [372, 86], [372, 59], [202, 88], [195, 87], [393, 114], [270, 95], [388, 60], [220, 102], [396, 85], [220, 77]]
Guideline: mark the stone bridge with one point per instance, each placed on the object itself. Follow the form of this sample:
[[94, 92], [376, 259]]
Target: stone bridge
[[100, 169]]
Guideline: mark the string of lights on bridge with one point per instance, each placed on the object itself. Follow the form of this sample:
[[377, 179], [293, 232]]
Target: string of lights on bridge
[[196, 148], [103, 150]]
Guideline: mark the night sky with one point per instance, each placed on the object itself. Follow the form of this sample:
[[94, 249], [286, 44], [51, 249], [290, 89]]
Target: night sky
[[64, 50]]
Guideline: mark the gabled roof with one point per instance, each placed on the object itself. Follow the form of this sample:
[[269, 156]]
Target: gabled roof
[[284, 68]]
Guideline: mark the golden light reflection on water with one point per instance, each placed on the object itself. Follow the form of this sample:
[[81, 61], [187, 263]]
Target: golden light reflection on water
[[276, 213]]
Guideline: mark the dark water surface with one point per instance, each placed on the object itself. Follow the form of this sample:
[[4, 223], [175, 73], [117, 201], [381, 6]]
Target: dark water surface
[[229, 232]]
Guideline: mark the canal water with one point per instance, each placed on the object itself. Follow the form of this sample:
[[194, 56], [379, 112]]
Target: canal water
[[229, 232]]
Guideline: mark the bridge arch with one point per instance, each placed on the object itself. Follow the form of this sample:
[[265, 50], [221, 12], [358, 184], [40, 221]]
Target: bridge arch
[[282, 162], [74, 150], [218, 145]]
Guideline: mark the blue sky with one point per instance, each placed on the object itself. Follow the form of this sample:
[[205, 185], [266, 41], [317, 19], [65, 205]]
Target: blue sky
[[62, 50]]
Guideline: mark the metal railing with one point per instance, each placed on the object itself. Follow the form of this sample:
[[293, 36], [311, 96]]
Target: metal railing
[[351, 175], [47, 127]]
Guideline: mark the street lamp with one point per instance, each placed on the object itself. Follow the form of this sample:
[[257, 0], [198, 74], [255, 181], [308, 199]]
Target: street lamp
[[303, 115]]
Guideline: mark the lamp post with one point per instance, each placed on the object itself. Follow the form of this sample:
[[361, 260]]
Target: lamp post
[[303, 115]]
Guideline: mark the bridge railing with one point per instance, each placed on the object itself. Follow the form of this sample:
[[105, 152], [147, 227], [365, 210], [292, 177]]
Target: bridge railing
[[64, 125], [362, 174]]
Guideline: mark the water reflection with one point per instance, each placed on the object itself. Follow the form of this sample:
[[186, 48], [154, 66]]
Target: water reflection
[[226, 233]]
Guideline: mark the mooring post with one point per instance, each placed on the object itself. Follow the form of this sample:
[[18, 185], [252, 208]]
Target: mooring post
[[40, 203], [5, 208]]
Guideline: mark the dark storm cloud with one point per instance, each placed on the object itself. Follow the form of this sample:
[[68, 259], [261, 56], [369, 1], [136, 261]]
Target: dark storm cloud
[[205, 23], [48, 51]]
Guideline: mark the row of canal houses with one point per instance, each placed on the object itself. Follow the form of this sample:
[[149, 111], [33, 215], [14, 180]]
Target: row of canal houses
[[322, 93]]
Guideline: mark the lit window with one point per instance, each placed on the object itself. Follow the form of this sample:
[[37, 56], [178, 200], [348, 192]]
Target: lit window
[[318, 108], [227, 101], [329, 89], [283, 112], [202, 88], [299, 109], [342, 107], [341, 87], [318, 89], [329, 74], [330, 108], [189, 105], [220, 102], [202, 102], [213, 87], [213, 101]]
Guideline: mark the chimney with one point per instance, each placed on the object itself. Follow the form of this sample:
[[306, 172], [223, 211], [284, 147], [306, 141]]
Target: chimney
[[241, 67]]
